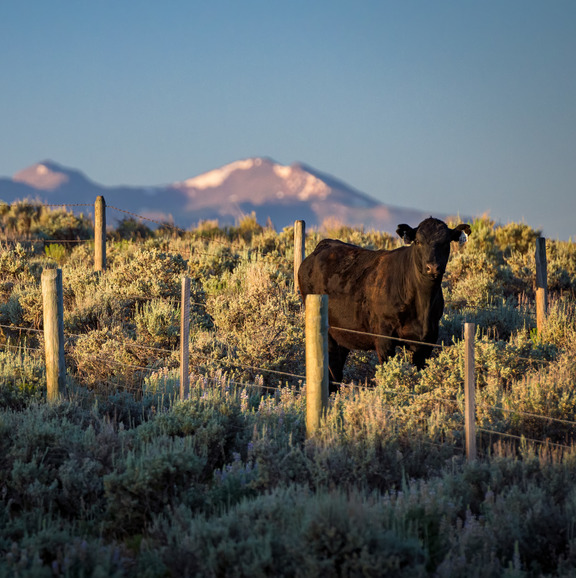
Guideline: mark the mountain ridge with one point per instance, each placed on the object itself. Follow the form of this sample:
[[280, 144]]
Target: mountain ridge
[[276, 192]]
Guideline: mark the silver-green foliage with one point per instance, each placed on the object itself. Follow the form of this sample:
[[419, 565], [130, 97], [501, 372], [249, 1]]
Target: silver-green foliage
[[227, 482]]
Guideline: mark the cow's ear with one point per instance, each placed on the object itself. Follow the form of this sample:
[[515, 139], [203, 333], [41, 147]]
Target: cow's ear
[[460, 233], [407, 233]]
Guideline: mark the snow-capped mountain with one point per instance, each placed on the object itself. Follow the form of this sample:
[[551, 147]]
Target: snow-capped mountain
[[50, 176], [262, 180], [281, 193]]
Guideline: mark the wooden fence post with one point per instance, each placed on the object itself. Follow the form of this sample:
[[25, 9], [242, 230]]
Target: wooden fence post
[[100, 234], [185, 339], [541, 284], [469, 391], [299, 249], [316, 360], [53, 312]]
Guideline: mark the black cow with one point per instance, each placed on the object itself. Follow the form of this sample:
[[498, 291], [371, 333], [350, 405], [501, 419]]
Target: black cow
[[394, 293]]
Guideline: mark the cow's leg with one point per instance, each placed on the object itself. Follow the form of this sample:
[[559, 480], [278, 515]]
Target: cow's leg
[[337, 358], [420, 355], [384, 349]]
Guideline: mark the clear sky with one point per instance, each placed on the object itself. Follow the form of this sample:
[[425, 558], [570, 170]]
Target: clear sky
[[449, 106]]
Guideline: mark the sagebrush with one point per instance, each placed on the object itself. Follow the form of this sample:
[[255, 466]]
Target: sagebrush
[[124, 479]]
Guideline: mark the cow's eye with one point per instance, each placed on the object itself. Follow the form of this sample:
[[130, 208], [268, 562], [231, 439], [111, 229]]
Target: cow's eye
[[416, 242]]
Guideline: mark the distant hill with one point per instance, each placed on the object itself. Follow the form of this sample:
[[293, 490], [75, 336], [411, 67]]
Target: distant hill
[[275, 192]]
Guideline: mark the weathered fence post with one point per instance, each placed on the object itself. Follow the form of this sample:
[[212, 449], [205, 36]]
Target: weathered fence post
[[299, 248], [100, 234], [541, 284], [316, 360], [53, 311], [470, 391], [185, 339]]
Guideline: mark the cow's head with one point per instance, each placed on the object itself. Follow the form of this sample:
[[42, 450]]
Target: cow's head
[[431, 244]]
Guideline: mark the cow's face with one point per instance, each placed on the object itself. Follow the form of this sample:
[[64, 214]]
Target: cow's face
[[431, 245]]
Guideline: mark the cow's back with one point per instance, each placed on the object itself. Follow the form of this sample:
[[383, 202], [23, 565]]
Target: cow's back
[[336, 268]]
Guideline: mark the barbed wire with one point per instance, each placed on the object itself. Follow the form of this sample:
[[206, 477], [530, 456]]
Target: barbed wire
[[19, 347], [390, 337], [455, 308], [18, 328], [524, 438], [161, 223], [527, 414], [242, 384], [253, 368], [127, 343], [34, 204], [119, 363], [59, 241], [66, 205], [532, 359], [415, 342], [396, 392]]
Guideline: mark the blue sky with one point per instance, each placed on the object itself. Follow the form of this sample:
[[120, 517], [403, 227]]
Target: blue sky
[[448, 106]]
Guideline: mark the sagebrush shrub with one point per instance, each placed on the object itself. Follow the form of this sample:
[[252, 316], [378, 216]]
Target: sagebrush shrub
[[147, 273], [158, 323], [28, 217], [107, 360], [258, 318]]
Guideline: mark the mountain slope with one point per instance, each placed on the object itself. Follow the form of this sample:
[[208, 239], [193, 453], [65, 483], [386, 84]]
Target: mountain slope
[[273, 191]]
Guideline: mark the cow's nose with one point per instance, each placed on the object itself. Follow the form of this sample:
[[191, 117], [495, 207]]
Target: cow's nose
[[432, 269]]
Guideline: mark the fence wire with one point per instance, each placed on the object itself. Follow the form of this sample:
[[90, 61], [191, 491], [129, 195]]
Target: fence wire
[[523, 438], [389, 337], [19, 347], [179, 230], [527, 414]]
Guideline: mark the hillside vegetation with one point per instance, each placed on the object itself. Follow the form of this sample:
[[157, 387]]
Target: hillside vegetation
[[120, 478]]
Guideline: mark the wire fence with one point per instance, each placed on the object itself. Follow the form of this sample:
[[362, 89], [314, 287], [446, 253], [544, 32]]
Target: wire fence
[[228, 362]]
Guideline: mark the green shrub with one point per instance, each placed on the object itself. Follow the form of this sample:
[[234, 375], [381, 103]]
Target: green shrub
[[14, 263], [62, 224], [516, 237], [131, 229], [148, 480], [146, 273], [259, 320], [158, 323], [291, 532], [56, 252], [22, 377], [31, 218], [107, 359], [247, 227]]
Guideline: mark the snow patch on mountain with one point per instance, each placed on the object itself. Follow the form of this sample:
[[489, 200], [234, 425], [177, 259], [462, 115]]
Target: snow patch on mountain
[[216, 177], [41, 176]]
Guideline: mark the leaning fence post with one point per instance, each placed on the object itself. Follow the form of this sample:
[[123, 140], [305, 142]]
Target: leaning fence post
[[470, 391], [316, 321], [299, 248], [53, 312], [541, 284], [185, 339], [100, 234]]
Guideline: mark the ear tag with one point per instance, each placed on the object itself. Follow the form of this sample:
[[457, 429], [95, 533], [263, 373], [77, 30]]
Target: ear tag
[[406, 240], [463, 238]]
